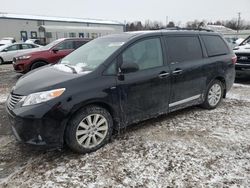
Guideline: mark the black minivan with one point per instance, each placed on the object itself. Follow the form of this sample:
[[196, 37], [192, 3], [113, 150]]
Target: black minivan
[[118, 80]]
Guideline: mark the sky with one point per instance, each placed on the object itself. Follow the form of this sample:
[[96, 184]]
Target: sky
[[179, 11]]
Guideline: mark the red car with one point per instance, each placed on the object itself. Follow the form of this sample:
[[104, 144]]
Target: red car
[[50, 53]]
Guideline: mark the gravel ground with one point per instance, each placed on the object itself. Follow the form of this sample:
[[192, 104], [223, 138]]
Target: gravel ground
[[189, 148]]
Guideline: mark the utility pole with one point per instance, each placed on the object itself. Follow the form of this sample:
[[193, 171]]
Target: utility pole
[[238, 23], [166, 21]]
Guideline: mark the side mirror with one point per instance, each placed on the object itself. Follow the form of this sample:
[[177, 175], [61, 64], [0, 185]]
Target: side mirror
[[55, 50], [5, 50], [128, 67]]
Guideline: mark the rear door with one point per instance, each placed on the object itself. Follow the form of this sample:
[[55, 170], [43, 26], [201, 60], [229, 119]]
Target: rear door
[[146, 92], [186, 61]]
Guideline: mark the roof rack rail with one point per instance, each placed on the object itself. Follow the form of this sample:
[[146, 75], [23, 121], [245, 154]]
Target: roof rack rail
[[188, 29]]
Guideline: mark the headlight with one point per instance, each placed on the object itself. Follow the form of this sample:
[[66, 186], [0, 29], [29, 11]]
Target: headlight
[[23, 57], [36, 98]]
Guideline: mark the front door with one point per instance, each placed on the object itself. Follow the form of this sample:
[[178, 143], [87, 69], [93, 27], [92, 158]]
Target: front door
[[187, 75], [11, 52], [144, 93], [62, 49]]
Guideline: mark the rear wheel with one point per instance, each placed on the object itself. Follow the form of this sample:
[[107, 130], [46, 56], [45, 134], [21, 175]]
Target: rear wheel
[[89, 130], [214, 95], [37, 65]]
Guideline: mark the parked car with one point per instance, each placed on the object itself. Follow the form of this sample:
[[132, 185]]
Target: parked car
[[8, 51], [243, 58], [33, 41], [117, 80], [50, 53], [7, 40], [231, 41]]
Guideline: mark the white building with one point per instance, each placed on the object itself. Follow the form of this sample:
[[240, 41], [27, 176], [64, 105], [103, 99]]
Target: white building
[[227, 32], [47, 29]]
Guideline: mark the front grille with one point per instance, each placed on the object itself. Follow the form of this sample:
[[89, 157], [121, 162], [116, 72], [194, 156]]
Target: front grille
[[13, 99], [243, 58]]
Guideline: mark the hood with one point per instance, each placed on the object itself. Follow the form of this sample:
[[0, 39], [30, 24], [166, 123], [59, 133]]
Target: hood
[[43, 79], [242, 49]]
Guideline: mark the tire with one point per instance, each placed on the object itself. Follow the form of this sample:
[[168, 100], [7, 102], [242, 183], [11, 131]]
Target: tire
[[90, 129], [1, 61], [214, 95], [37, 65]]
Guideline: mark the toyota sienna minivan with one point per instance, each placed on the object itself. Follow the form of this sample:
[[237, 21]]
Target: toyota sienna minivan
[[117, 80]]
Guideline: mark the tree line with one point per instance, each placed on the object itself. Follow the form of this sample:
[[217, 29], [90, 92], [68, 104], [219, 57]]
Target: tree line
[[196, 24]]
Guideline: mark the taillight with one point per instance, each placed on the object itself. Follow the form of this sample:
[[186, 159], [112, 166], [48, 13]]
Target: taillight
[[234, 59]]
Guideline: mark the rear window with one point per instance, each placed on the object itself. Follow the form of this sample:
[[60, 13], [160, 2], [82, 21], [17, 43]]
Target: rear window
[[184, 48], [215, 45]]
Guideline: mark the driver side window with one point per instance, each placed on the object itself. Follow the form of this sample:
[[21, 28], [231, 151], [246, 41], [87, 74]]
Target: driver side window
[[146, 54], [66, 45], [12, 48]]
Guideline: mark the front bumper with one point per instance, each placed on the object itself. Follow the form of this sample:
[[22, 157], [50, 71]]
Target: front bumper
[[20, 67], [242, 69], [46, 132]]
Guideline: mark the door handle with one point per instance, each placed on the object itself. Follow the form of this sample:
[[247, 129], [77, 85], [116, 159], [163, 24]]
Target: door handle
[[177, 71], [174, 62], [163, 74]]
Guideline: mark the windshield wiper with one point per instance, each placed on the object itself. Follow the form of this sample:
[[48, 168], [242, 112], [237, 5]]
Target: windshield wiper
[[72, 68]]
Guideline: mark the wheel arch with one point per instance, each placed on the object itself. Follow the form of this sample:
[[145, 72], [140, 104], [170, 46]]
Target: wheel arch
[[223, 81], [106, 106], [37, 60]]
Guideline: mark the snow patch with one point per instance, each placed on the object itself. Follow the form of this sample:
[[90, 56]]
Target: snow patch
[[3, 98]]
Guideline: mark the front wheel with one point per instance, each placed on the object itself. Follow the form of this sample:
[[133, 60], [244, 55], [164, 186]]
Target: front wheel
[[37, 65], [89, 130], [214, 95]]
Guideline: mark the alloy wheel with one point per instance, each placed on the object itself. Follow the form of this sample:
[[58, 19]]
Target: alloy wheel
[[92, 130], [214, 94]]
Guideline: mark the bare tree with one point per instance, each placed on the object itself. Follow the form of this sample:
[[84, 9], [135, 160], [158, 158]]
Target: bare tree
[[171, 24]]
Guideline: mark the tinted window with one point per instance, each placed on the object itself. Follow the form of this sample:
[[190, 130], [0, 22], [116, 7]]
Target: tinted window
[[79, 43], [215, 45], [68, 44], [146, 54], [26, 46], [186, 48]]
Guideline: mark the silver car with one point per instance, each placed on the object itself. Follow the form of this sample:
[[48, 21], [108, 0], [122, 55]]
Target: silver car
[[9, 51]]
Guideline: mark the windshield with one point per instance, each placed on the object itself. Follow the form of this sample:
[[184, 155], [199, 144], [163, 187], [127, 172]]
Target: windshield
[[246, 41], [91, 55], [50, 45]]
